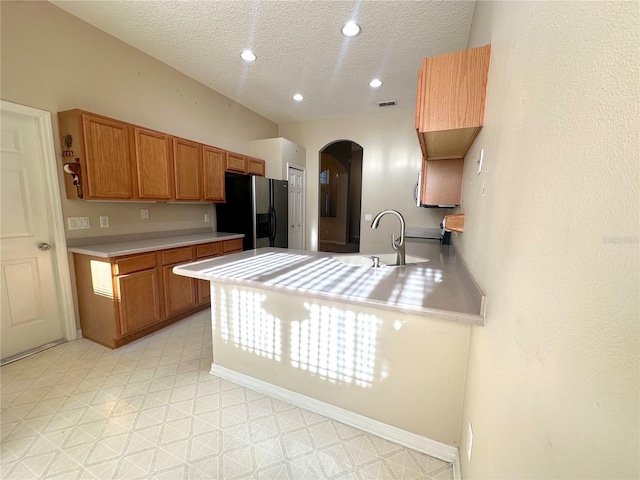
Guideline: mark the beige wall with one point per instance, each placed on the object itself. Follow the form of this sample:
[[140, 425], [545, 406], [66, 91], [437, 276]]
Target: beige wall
[[552, 379], [54, 62], [277, 152], [390, 165], [412, 366]]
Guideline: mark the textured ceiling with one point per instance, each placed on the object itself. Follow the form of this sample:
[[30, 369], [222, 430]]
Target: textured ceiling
[[298, 43]]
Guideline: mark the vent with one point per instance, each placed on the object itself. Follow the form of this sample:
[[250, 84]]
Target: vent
[[390, 103]]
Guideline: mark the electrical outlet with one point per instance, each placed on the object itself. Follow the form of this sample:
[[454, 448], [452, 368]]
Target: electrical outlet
[[368, 217], [104, 222], [469, 441], [144, 214], [206, 217]]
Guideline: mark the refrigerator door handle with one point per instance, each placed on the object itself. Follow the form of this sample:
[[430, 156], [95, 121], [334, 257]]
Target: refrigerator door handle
[[272, 226], [275, 225]]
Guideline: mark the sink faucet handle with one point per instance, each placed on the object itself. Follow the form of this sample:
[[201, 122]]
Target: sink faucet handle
[[394, 243]]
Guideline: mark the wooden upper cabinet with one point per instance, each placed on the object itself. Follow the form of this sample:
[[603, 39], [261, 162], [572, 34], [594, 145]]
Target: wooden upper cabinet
[[255, 166], [441, 182], [108, 163], [121, 161], [187, 165], [236, 163], [450, 102], [153, 165], [101, 146], [213, 167]]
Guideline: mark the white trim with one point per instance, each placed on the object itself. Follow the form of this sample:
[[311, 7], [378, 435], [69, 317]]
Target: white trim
[[56, 220], [457, 473], [79, 333], [304, 198], [411, 440]]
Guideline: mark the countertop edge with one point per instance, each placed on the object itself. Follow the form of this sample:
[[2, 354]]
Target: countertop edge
[[161, 243], [457, 317]]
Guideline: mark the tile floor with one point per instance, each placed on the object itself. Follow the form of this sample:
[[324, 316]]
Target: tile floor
[[151, 410]]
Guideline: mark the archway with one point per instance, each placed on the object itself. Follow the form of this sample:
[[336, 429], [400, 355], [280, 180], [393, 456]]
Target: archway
[[340, 187]]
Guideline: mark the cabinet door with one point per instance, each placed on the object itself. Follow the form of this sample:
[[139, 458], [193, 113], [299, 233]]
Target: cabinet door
[[204, 291], [108, 162], [255, 166], [213, 166], [236, 163], [187, 164], [454, 89], [138, 300], [153, 164], [179, 292], [441, 181]]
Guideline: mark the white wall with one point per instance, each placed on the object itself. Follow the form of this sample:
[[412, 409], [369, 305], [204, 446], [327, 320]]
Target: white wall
[[54, 61], [552, 379], [277, 152], [390, 165]]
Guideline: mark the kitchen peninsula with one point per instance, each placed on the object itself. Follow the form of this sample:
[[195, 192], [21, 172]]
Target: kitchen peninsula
[[383, 349]]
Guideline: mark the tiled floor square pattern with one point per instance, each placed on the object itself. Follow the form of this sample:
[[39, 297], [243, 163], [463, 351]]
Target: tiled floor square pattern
[[151, 410]]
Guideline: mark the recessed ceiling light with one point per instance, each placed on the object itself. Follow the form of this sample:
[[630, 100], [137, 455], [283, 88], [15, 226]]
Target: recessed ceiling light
[[375, 83], [351, 29], [248, 55], [298, 98]]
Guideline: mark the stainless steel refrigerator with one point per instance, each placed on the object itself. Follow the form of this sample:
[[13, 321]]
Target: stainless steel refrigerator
[[257, 207]]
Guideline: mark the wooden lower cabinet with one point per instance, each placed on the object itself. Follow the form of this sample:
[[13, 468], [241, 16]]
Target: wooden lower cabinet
[[124, 298], [180, 292], [138, 300]]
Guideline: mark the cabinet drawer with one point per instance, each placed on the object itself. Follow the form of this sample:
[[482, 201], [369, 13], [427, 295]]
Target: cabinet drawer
[[135, 264], [177, 255], [232, 245], [209, 250]]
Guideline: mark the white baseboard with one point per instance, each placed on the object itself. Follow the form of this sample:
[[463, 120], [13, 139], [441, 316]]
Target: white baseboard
[[457, 473], [416, 442]]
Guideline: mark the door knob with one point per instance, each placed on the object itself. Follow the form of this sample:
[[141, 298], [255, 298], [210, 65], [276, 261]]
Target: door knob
[[44, 247]]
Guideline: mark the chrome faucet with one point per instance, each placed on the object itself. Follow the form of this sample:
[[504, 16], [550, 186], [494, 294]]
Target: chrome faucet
[[397, 244]]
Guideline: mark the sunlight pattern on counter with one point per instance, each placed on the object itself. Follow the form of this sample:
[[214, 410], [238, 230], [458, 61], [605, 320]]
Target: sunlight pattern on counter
[[328, 275]]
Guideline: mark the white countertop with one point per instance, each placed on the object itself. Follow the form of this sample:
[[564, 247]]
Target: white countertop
[[441, 288], [129, 247]]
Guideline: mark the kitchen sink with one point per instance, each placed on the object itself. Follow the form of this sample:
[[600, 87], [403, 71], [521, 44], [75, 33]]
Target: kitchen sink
[[384, 260]]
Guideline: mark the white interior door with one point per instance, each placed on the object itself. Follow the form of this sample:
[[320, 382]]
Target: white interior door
[[296, 207], [30, 302]]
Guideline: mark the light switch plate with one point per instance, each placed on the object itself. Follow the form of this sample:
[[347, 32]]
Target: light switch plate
[[78, 223], [368, 217]]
